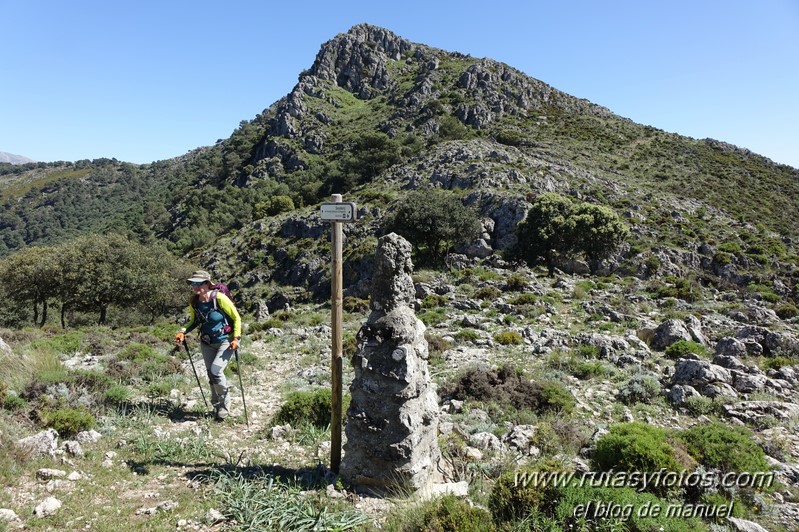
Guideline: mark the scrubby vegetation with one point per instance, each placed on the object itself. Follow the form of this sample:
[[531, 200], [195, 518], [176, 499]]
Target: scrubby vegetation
[[553, 238]]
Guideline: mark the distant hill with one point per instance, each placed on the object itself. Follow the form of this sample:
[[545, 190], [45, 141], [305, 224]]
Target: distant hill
[[14, 159], [376, 116]]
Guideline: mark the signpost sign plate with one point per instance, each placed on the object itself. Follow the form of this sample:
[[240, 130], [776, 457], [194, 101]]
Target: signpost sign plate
[[339, 212]]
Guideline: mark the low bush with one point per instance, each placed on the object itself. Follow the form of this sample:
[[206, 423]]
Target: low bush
[[511, 500], [506, 386], [699, 405], [589, 369], [312, 407], [779, 362], [436, 344], [450, 513], [68, 421], [519, 502], [524, 299], [726, 447], [508, 338], [787, 311], [467, 335], [488, 293], [641, 388], [117, 395], [638, 446], [681, 348], [516, 282]]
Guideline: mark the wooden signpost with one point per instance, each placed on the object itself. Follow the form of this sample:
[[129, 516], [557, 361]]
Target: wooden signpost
[[336, 213]]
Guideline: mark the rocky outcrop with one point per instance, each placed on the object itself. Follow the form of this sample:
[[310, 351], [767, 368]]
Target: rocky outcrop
[[392, 420]]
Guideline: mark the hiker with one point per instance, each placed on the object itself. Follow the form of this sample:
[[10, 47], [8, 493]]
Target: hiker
[[220, 334]]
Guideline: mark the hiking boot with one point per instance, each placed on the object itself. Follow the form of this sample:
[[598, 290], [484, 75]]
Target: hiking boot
[[223, 408]]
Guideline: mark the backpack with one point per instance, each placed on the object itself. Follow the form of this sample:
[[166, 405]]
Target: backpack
[[221, 287], [215, 289]]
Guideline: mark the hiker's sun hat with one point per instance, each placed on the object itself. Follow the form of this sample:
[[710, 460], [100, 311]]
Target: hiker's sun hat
[[200, 276]]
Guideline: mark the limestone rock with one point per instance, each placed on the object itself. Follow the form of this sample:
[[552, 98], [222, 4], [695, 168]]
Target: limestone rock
[[392, 420], [47, 507], [45, 442], [668, 332]]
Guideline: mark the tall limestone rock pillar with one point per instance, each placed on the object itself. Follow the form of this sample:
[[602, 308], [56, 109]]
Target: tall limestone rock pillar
[[392, 420]]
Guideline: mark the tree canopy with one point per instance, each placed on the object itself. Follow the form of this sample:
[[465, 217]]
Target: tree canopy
[[433, 221], [91, 274], [557, 227]]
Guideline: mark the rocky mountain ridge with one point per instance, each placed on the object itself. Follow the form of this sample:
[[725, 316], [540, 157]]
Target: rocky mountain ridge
[[688, 325], [14, 159]]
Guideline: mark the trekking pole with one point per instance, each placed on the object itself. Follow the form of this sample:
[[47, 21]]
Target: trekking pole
[[188, 354], [241, 385]]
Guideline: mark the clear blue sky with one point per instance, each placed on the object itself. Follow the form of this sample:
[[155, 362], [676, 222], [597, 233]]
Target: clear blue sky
[[149, 80]]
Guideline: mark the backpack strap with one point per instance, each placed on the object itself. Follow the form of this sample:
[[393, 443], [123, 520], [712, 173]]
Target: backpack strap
[[228, 319]]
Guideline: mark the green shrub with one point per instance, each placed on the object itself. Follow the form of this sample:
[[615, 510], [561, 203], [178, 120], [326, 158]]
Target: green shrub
[[355, 305], [589, 369], [578, 504], [159, 388], [641, 388], [729, 448], [519, 502], [14, 402], [433, 317], [52, 376], [699, 405], [434, 301], [450, 128], [730, 247], [516, 282], [487, 293], [511, 500], [277, 205], [467, 335], [450, 514], [66, 343], [312, 407], [787, 311], [272, 323], [117, 395], [557, 398], [652, 265], [510, 137], [681, 348], [509, 338], [588, 351], [68, 421], [137, 352], [638, 446], [779, 362], [524, 299]]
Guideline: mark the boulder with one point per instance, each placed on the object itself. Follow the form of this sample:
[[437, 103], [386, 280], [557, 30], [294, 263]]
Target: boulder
[[45, 442], [699, 373], [731, 347], [668, 332]]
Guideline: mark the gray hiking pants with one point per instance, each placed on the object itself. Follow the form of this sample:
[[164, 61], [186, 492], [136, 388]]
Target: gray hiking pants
[[216, 357]]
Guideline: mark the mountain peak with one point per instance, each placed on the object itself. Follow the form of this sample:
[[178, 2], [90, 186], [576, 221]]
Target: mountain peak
[[359, 56], [14, 159]]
